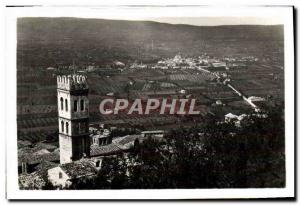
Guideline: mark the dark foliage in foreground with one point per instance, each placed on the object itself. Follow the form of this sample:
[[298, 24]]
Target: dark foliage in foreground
[[209, 156]]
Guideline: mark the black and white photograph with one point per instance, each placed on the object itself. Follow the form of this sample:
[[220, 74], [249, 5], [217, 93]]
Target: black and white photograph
[[149, 100]]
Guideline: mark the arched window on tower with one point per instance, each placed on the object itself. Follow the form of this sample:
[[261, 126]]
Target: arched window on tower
[[81, 105], [66, 104], [75, 105], [67, 127], [61, 103], [62, 126]]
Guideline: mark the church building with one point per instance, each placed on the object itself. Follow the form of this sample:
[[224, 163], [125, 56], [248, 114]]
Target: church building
[[73, 117]]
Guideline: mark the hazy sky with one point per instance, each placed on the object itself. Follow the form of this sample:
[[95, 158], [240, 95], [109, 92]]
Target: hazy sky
[[215, 21]]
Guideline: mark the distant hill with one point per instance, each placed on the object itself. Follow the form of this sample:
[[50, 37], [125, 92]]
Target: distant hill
[[57, 41]]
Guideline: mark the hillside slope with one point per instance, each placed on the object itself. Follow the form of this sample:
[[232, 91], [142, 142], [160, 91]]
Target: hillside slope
[[52, 41]]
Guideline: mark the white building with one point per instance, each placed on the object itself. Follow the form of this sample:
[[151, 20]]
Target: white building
[[155, 133], [235, 118], [230, 117], [256, 99], [64, 175]]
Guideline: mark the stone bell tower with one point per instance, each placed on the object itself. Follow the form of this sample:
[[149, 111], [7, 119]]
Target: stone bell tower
[[73, 117]]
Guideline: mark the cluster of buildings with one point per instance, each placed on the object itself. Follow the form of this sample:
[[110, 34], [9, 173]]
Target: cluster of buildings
[[204, 61], [82, 146], [237, 119], [115, 66], [178, 62]]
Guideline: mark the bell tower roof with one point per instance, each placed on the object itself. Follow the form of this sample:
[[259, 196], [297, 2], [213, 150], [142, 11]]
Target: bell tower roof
[[72, 82]]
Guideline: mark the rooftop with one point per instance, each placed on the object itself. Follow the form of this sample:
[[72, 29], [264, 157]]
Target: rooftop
[[33, 158], [104, 150], [31, 181], [79, 169], [72, 82], [127, 142], [44, 166], [38, 153]]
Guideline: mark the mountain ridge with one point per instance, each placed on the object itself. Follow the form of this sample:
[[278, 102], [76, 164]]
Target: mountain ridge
[[105, 39]]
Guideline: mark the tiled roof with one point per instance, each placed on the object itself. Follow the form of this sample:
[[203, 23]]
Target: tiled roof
[[118, 145], [31, 181], [126, 142], [31, 158], [37, 147], [79, 169], [41, 152], [104, 150], [43, 167], [23, 143], [42, 145], [37, 154]]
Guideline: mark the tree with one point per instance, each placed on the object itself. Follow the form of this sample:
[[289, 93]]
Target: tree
[[211, 155]]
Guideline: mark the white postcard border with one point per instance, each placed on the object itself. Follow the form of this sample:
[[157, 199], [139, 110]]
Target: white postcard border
[[13, 192]]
